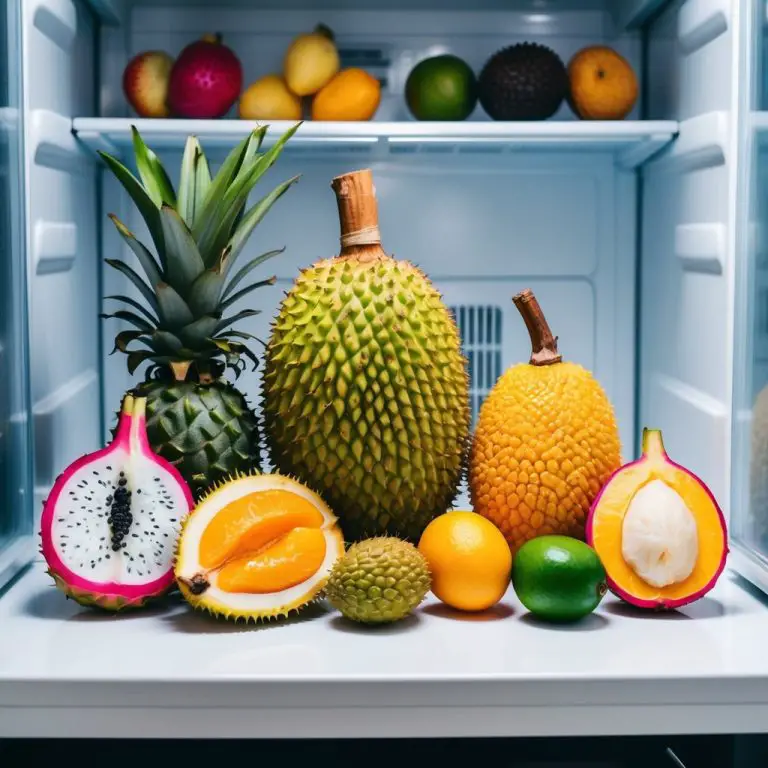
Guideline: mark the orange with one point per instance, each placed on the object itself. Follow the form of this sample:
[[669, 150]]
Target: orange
[[603, 84], [353, 94], [469, 558]]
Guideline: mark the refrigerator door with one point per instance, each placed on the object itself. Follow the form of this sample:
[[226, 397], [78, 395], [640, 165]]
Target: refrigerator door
[[15, 456], [749, 496]]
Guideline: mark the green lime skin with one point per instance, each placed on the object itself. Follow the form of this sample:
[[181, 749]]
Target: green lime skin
[[441, 88], [558, 578]]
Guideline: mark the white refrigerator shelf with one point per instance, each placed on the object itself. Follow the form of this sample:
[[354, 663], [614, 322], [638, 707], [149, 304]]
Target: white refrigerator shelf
[[632, 142], [67, 671]]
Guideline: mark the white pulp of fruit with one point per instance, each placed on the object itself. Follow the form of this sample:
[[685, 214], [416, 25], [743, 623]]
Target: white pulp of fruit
[[659, 536], [82, 532]]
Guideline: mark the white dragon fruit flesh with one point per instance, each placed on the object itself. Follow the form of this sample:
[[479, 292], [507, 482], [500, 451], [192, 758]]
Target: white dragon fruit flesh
[[111, 523]]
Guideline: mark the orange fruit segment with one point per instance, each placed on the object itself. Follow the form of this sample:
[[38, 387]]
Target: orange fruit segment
[[249, 524], [290, 561]]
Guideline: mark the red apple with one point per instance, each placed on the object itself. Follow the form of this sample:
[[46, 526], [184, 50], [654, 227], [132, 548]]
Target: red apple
[[145, 83], [205, 80]]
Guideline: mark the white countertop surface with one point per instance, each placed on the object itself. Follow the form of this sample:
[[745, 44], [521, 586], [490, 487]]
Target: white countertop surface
[[70, 671]]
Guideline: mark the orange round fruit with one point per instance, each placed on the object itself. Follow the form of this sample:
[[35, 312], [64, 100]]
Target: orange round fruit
[[603, 84], [353, 94], [469, 558]]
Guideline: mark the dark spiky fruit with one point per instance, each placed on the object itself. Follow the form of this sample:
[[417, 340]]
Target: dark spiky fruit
[[207, 431], [365, 393], [527, 81]]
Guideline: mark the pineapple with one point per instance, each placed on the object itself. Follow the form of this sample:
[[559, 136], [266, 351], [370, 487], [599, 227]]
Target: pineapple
[[185, 327]]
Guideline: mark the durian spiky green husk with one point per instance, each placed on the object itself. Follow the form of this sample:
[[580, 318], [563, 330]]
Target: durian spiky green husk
[[206, 430], [365, 394], [219, 609], [379, 580]]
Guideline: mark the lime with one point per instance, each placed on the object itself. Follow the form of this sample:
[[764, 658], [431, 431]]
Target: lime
[[558, 578], [441, 88]]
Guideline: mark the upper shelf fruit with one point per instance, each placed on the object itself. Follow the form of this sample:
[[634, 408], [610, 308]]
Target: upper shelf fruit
[[310, 61], [441, 88], [352, 94], [545, 443], [658, 530], [206, 79], [366, 394], [603, 84], [110, 523], [526, 81], [145, 83], [269, 98]]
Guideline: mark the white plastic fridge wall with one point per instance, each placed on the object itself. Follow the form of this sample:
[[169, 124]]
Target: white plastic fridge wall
[[481, 223], [688, 239], [59, 75]]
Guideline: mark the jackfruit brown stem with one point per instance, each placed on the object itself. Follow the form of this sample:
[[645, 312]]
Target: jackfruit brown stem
[[543, 343], [358, 215]]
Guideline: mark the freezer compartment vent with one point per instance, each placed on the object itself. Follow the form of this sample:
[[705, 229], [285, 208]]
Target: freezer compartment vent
[[481, 335]]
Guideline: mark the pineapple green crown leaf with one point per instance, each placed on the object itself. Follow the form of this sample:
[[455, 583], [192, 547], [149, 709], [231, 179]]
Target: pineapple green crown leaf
[[197, 233]]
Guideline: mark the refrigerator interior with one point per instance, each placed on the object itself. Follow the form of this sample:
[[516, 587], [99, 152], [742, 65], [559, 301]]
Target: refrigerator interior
[[627, 243]]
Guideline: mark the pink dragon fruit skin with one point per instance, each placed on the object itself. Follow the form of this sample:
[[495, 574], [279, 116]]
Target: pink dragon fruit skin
[[110, 525]]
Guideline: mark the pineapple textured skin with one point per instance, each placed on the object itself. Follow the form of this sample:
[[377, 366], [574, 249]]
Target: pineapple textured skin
[[207, 431]]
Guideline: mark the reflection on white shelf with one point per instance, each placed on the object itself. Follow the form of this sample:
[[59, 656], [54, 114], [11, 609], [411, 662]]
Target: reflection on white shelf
[[633, 142]]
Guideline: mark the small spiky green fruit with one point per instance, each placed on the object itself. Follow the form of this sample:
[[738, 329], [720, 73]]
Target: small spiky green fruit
[[185, 327], [379, 580], [366, 394]]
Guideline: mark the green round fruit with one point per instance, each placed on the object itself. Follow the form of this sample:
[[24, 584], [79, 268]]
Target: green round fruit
[[558, 578], [441, 88], [379, 580]]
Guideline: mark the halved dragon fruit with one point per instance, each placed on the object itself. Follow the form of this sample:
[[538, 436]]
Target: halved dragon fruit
[[111, 523]]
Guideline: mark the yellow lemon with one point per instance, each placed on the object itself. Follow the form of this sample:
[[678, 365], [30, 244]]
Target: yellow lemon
[[311, 61], [269, 99]]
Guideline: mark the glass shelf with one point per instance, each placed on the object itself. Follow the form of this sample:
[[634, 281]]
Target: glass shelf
[[632, 142]]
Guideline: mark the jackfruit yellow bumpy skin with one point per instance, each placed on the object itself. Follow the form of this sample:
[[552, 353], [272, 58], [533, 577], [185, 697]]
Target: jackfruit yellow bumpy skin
[[366, 395], [546, 442]]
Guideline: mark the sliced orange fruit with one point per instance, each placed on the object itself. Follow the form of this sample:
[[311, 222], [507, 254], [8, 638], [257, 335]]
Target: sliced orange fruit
[[257, 547]]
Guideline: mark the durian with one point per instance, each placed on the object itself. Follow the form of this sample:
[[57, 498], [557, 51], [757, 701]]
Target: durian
[[257, 547], [379, 580], [365, 389]]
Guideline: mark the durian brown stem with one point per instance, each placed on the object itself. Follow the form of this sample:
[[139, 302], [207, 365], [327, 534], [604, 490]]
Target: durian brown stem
[[358, 215], [543, 343]]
